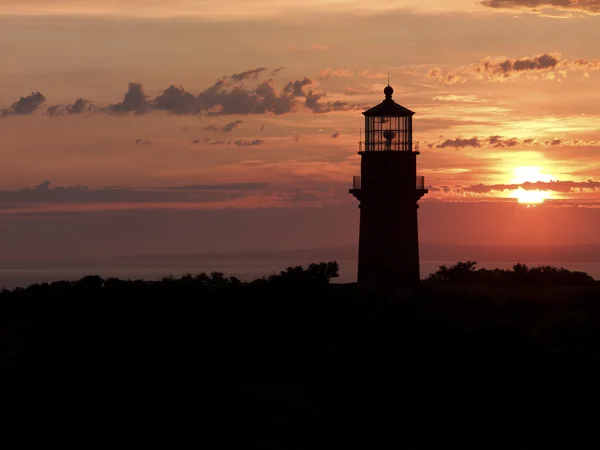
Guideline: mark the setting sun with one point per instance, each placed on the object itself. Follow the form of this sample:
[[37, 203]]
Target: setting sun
[[529, 197], [530, 174]]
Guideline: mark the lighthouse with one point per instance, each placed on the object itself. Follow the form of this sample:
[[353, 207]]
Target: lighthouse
[[388, 190]]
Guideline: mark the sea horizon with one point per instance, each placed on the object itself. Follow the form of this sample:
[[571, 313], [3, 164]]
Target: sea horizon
[[22, 275]]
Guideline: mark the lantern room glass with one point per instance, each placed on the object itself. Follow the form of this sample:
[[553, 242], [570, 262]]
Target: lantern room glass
[[387, 133]]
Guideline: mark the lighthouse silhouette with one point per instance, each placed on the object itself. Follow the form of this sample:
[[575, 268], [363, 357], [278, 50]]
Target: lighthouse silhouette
[[388, 190]]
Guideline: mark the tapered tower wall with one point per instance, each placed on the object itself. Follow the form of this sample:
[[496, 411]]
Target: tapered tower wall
[[389, 240]]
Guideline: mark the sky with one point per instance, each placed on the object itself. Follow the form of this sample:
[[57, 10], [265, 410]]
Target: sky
[[190, 125]]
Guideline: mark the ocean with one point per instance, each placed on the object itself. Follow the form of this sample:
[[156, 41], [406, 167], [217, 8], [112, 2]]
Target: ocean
[[24, 274]]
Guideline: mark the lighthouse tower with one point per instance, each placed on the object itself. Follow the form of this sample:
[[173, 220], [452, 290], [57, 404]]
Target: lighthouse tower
[[388, 190]]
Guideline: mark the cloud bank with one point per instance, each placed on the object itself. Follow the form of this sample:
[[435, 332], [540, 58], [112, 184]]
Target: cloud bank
[[231, 95]]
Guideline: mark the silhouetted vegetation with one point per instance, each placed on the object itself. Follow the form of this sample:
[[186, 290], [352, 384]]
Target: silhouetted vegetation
[[466, 272], [291, 361]]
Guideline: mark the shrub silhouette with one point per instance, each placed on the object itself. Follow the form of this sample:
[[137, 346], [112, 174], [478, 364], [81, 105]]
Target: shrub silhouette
[[319, 274], [459, 272], [521, 274]]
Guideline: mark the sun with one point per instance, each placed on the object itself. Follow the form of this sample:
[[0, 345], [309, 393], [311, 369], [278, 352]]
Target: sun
[[530, 197], [531, 174]]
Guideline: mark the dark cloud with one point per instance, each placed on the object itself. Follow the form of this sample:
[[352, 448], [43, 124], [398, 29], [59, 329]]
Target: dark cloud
[[248, 143], [225, 128], [135, 100], [554, 186], [312, 102], [499, 141], [494, 68], [25, 105], [210, 141], [460, 143], [227, 96], [296, 87], [79, 107], [142, 142], [177, 100], [248, 74], [196, 141], [514, 143], [335, 135], [587, 6], [276, 71]]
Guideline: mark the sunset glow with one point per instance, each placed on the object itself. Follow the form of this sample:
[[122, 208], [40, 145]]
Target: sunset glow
[[169, 107], [530, 197]]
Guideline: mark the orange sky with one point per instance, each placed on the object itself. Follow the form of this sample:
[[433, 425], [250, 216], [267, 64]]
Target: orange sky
[[266, 101]]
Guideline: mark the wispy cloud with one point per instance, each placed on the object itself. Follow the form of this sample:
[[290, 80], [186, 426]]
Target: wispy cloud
[[459, 98], [586, 6], [549, 66], [328, 73], [511, 143]]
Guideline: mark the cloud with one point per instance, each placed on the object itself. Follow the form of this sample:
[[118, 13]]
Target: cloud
[[25, 105], [460, 143], [135, 100], [513, 142], [549, 66], [218, 187], [142, 142], [351, 91], [248, 74], [554, 186], [586, 6], [239, 143], [248, 143], [369, 75], [500, 68], [296, 87], [276, 71], [177, 100], [225, 128], [326, 74], [44, 194], [449, 78], [227, 96], [312, 102], [79, 107], [459, 98], [335, 135]]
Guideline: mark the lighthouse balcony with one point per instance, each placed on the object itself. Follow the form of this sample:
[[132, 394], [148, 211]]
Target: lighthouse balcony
[[382, 146], [419, 187]]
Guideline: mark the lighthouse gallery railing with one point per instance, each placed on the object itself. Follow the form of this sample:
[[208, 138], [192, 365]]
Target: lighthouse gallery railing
[[357, 183]]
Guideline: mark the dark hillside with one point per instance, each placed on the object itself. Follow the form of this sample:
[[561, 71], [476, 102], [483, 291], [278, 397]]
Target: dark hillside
[[290, 364]]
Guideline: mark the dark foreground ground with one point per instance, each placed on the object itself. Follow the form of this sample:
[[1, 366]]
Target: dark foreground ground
[[183, 364]]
